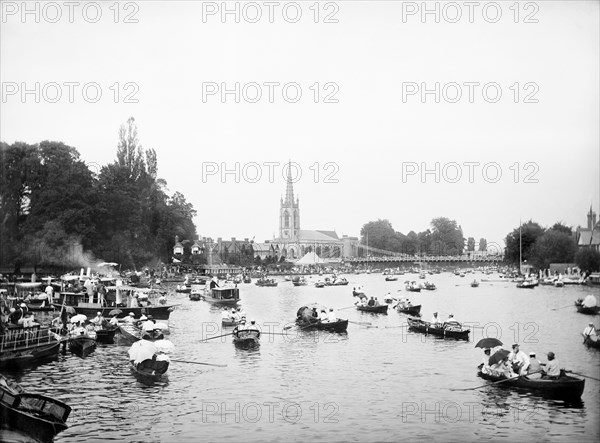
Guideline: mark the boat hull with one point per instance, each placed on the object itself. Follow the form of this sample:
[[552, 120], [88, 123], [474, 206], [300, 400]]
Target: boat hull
[[246, 339], [339, 326], [149, 371], [82, 346], [426, 328], [23, 358], [161, 312], [382, 309], [588, 311], [41, 429], [106, 336], [413, 310], [564, 388]]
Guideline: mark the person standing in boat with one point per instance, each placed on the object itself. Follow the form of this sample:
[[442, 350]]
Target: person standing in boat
[[590, 333], [98, 319], [332, 316], [552, 369]]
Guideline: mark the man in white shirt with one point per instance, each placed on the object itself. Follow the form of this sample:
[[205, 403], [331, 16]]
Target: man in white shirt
[[590, 333], [553, 366], [226, 315], [517, 358], [435, 319], [332, 317], [130, 318], [323, 315]]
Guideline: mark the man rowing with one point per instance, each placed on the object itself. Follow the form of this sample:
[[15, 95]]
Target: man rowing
[[517, 358], [552, 369], [589, 333], [533, 369]]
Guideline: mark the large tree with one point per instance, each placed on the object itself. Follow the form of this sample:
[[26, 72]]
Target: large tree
[[553, 247], [446, 237], [528, 234], [588, 260]]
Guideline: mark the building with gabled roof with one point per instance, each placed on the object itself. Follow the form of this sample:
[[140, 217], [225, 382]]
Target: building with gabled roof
[[589, 237]]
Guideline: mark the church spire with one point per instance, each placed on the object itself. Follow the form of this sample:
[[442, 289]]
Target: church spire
[[289, 190]]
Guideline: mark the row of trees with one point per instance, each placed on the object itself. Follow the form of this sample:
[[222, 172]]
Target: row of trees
[[444, 238], [541, 246], [56, 210]]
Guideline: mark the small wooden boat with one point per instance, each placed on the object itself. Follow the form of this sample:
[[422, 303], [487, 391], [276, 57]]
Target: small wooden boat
[[593, 310], [319, 284], [474, 284], [336, 282], [82, 345], [106, 335], [413, 288], [412, 310], [391, 278], [526, 284], [381, 309], [196, 295], [429, 286], [247, 279], [590, 343], [229, 323], [150, 370], [246, 338], [357, 291], [565, 387], [446, 330], [184, 290], [36, 415], [336, 326], [266, 282], [300, 282]]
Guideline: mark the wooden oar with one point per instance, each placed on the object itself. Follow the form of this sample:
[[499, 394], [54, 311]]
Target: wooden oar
[[199, 363], [581, 375], [218, 336], [349, 307], [562, 307], [494, 383], [362, 323]]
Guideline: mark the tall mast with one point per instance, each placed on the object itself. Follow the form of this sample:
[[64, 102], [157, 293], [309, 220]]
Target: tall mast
[[520, 248]]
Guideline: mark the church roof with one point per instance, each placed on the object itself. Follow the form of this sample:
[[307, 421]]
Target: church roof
[[261, 247], [305, 235]]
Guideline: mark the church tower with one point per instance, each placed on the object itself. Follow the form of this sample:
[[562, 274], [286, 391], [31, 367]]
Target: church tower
[[289, 212]]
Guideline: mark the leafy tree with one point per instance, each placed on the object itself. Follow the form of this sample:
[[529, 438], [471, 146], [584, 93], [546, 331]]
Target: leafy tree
[[447, 236], [553, 247], [482, 244], [471, 244], [560, 227], [588, 260], [530, 232]]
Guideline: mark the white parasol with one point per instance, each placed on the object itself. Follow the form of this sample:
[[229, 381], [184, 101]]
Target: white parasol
[[142, 350], [164, 345], [78, 317]]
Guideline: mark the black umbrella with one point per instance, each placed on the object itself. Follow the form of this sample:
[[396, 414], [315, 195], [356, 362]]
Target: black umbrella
[[115, 312], [488, 342], [498, 356]]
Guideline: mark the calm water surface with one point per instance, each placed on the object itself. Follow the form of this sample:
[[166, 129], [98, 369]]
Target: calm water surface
[[378, 383]]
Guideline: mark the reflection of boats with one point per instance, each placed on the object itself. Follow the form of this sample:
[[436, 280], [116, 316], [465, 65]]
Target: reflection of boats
[[222, 296], [266, 282], [22, 346], [410, 310], [565, 387], [37, 415], [448, 330], [246, 338], [82, 345], [381, 309]]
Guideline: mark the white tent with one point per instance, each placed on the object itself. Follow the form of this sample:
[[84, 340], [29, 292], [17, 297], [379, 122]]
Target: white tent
[[310, 259]]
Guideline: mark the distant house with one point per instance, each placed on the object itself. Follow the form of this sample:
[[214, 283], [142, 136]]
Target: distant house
[[196, 248], [178, 247], [589, 237], [264, 250]]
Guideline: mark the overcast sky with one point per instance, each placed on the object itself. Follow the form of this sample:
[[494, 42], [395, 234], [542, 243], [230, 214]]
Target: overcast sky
[[365, 141]]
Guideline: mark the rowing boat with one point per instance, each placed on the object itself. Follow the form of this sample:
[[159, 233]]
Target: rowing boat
[[132, 333], [149, 370], [246, 338], [106, 335], [37, 415], [565, 387], [82, 345], [412, 310], [381, 309], [591, 343], [589, 310], [229, 323], [335, 326], [445, 331]]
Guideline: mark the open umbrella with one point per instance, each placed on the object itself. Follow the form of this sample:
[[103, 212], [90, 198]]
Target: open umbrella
[[164, 345], [78, 317], [142, 350], [488, 342], [498, 356], [115, 312], [70, 310]]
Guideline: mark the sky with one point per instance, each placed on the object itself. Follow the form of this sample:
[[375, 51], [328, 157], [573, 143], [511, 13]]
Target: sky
[[345, 90]]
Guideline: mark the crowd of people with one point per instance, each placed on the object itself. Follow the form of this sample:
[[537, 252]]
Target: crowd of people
[[517, 363]]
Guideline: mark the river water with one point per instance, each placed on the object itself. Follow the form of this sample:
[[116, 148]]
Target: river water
[[377, 383]]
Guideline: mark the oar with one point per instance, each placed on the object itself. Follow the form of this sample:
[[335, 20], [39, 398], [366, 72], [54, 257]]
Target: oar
[[218, 336], [349, 307], [199, 363], [494, 383], [581, 375], [562, 307], [362, 323]]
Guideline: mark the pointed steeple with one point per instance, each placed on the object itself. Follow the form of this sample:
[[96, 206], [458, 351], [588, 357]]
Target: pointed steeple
[[289, 190]]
